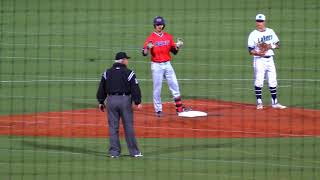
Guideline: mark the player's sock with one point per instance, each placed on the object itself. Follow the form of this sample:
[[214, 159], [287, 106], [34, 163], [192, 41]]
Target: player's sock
[[258, 91], [178, 102], [273, 91]]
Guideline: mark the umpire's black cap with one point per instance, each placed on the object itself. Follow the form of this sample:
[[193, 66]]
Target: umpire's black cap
[[121, 55]]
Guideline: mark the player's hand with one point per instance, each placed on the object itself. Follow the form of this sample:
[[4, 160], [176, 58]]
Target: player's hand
[[179, 43], [264, 47], [139, 106], [102, 107], [150, 45], [261, 53]]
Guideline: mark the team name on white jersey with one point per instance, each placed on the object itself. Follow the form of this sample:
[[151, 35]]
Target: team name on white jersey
[[268, 36]]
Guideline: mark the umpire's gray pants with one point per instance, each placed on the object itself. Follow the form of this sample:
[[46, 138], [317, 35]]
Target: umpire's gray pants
[[121, 106]]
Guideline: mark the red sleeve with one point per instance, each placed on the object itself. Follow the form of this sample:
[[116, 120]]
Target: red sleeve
[[146, 42], [172, 43]]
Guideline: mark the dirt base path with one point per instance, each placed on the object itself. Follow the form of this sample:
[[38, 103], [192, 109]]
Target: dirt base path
[[224, 120]]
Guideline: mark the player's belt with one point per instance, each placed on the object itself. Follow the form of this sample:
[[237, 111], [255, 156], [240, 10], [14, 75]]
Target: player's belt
[[161, 61], [119, 94], [266, 56]]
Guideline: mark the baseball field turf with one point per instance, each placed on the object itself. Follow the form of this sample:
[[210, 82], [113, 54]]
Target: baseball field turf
[[52, 54]]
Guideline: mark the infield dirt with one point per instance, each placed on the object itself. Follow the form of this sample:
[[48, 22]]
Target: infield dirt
[[224, 120]]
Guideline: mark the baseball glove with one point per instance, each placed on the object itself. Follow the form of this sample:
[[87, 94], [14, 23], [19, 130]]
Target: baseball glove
[[263, 47]]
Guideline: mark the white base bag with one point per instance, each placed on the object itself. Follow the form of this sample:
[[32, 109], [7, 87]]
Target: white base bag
[[192, 114]]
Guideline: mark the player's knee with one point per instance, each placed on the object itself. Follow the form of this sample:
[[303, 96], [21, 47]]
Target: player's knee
[[273, 84], [258, 84]]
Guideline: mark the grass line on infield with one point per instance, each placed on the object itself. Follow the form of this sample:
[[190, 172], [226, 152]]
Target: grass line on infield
[[241, 163]]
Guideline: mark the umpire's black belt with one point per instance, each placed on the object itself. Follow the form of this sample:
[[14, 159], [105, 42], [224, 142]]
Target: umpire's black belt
[[119, 94]]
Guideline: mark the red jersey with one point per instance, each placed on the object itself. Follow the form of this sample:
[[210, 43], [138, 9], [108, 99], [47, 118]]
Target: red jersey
[[162, 45]]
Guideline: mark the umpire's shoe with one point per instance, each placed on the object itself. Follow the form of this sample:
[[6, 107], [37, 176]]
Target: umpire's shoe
[[138, 155], [114, 156]]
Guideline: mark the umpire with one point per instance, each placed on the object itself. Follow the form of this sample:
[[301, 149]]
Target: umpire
[[120, 87]]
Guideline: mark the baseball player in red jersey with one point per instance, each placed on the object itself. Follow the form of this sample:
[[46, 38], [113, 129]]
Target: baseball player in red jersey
[[160, 44]]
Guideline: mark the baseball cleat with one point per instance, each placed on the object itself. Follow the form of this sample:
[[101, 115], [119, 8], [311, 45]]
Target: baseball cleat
[[159, 113], [185, 109], [138, 155], [278, 106], [259, 106], [114, 156]]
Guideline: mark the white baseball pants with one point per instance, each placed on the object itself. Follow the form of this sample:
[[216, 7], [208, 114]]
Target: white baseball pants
[[264, 67], [161, 71]]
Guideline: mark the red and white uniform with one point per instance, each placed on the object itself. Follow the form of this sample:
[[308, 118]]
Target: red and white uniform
[[162, 44], [161, 68]]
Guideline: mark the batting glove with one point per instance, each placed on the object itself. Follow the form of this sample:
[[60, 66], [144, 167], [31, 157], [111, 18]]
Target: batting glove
[[179, 43], [150, 45]]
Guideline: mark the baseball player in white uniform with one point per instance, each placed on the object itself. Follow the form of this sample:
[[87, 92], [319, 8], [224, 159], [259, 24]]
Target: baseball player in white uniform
[[261, 43]]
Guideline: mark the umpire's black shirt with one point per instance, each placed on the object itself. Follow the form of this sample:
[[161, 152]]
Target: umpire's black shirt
[[119, 80]]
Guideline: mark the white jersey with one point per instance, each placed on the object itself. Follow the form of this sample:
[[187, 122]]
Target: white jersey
[[268, 36]]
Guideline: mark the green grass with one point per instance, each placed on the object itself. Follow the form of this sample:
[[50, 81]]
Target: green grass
[[44, 41], [52, 54], [62, 158]]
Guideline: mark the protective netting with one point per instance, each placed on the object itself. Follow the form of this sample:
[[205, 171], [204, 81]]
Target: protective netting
[[52, 55]]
